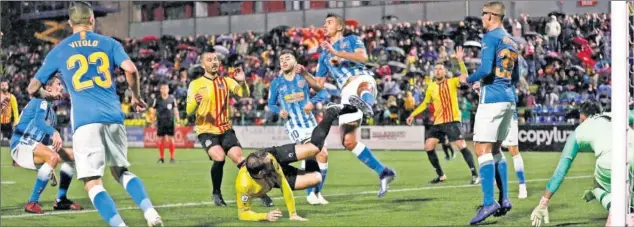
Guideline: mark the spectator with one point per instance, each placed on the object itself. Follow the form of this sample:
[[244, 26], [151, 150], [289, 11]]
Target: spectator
[[553, 30]]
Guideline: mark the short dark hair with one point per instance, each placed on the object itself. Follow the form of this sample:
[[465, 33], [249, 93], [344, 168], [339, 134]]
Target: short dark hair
[[255, 163], [209, 49], [79, 13], [590, 108], [338, 18], [50, 81], [287, 51], [163, 82]]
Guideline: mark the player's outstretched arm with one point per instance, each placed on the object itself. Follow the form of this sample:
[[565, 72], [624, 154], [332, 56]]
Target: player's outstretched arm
[[310, 79], [420, 107], [488, 57]]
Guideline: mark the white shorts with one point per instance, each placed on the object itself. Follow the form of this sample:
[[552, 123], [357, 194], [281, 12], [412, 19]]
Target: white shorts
[[351, 89], [23, 154], [299, 135], [511, 138], [94, 144], [492, 121]]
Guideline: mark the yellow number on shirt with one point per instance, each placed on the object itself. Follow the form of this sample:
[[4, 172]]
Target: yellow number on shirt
[[103, 67], [508, 63]]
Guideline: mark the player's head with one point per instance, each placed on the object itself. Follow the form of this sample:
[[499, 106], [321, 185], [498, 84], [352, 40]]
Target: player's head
[[164, 88], [210, 61], [439, 71], [589, 108], [492, 14], [287, 60], [333, 24], [81, 14], [4, 86], [260, 167], [54, 85]]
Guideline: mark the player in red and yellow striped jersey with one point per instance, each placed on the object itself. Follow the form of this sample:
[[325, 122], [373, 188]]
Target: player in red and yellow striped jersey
[[9, 115], [443, 94], [208, 98]]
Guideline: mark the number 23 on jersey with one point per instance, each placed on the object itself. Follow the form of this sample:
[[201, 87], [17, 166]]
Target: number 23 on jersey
[[101, 60]]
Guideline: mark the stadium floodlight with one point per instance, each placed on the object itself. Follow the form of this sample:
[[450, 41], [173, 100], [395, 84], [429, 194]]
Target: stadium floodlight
[[620, 106]]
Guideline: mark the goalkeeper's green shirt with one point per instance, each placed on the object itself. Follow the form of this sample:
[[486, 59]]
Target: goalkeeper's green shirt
[[593, 135]]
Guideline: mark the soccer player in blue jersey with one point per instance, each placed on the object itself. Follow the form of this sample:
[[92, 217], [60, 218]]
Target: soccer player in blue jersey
[[342, 58], [292, 93], [36, 145], [497, 74], [86, 61]]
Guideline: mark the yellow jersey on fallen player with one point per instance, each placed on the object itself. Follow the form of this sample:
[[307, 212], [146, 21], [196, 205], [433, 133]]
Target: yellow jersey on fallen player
[[213, 113], [247, 188]]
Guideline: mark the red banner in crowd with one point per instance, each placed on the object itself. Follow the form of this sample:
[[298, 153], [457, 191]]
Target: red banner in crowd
[[587, 3], [184, 137]]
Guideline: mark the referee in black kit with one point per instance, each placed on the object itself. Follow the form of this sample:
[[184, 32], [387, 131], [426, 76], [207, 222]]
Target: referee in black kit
[[166, 110]]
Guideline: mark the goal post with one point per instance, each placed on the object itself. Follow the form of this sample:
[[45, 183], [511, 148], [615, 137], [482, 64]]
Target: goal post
[[620, 22]]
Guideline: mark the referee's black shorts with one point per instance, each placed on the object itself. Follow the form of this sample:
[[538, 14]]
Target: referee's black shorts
[[165, 128]]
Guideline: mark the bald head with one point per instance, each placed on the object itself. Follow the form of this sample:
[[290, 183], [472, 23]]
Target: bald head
[[80, 13]]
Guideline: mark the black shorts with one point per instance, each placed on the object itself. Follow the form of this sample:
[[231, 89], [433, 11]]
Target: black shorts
[[165, 128], [226, 140], [451, 130], [7, 130], [285, 155]]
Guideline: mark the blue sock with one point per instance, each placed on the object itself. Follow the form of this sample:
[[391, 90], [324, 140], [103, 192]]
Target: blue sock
[[43, 175], [518, 164], [324, 171], [66, 176], [105, 206], [502, 175], [135, 188], [367, 97], [365, 155], [487, 176]]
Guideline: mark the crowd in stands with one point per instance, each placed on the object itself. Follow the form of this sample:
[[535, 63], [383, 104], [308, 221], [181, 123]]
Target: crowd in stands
[[567, 60]]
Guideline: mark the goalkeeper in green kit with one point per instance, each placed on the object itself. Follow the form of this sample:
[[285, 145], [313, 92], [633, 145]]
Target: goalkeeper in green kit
[[592, 135]]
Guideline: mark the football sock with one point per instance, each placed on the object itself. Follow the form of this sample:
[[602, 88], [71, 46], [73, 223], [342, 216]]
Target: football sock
[[433, 159], [324, 170], [134, 186], [446, 148], [468, 158], [487, 175], [367, 97], [501, 177], [518, 164], [318, 137], [161, 148], [604, 197], [66, 176], [216, 175], [105, 206], [43, 175], [171, 147], [364, 154]]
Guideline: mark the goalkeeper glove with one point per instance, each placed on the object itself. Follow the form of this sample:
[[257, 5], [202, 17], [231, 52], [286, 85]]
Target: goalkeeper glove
[[540, 213]]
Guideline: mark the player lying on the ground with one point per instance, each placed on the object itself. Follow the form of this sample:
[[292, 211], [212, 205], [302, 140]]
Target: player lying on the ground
[[592, 135], [292, 93], [443, 94], [36, 145], [270, 168]]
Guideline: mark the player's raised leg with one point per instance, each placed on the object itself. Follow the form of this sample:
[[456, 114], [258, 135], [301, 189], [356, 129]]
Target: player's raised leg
[[66, 172]]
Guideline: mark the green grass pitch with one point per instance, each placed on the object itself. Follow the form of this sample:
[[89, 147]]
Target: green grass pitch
[[182, 194]]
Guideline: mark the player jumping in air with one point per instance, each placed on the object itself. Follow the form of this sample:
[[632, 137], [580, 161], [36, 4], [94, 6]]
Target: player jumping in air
[[86, 61], [342, 57], [293, 94], [592, 135], [208, 99], [497, 74], [270, 168], [443, 93], [36, 145], [167, 112]]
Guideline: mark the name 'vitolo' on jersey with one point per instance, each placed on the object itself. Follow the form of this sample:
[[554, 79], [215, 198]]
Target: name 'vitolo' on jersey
[[344, 69], [499, 71], [86, 61], [293, 96]]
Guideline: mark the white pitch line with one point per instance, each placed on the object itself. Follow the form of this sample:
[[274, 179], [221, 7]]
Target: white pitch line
[[276, 198], [7, 182]]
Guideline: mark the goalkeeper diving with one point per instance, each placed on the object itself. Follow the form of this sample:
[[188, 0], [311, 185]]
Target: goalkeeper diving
[[270, 168], [592, 135]]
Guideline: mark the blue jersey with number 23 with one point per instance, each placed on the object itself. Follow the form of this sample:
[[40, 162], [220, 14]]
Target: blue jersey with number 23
[[86, 62]]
